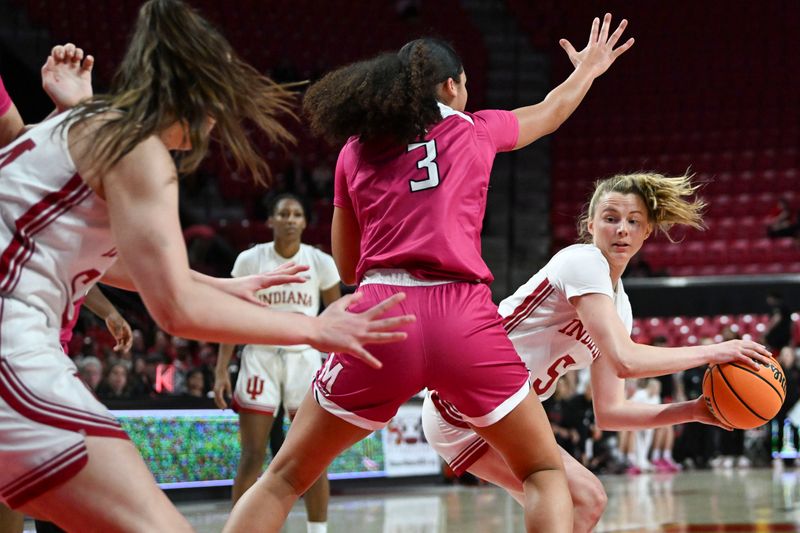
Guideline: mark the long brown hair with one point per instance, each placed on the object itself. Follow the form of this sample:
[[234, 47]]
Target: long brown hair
[[178, 67], [668, 199], [389, 96]]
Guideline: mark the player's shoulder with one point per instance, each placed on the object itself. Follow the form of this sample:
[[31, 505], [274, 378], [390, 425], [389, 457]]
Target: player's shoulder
[[255, 251], [315, 253], [588, 254]]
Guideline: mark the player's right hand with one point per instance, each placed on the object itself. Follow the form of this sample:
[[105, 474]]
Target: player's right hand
[[342, 331], [222, 389]]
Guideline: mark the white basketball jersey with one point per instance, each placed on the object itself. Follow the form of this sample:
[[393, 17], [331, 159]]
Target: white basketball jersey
[[55, 237], [294, 297], [545, 327]]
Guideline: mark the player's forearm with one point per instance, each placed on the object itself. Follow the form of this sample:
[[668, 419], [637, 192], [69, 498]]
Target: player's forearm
[[643, 361], [224, 357], [98, 304], [630, 415], [196, 310], [538, 120]]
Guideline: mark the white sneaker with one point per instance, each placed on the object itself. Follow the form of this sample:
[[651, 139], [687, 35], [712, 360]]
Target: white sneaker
[[743, 462], [727, 462]]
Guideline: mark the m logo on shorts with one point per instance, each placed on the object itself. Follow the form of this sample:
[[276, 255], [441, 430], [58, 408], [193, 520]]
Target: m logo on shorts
[[327, 375], [255, 386]]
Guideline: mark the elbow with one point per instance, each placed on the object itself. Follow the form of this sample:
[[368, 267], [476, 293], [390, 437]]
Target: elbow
[[625, 369], [348, 278]]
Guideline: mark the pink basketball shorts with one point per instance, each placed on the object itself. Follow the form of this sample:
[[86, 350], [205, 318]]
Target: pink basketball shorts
[[457, 346]]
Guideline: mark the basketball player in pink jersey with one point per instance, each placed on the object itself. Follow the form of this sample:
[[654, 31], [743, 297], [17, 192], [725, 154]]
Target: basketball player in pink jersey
[[574, 314], [410, 195], [92, 195], [273, 375]]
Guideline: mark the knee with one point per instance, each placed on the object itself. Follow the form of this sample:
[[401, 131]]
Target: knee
[[591, 501], [253, 458]]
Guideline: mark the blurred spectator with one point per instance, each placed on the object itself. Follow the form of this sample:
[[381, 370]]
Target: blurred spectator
[[649, 392], [788, 362], [196, 383], [115, 386], [638, 268], [695, 446], [563, 419], [90, 370], [664, 437], [783, 222], [779, 328]]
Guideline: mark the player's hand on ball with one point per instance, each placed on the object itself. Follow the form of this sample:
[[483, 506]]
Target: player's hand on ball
[[701, 413], [739, 351], [340, 330], [599, 53]]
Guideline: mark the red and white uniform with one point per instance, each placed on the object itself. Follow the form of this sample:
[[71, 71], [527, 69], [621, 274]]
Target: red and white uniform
[[55, 243], [420, 210], [548, 336], [270, 375]]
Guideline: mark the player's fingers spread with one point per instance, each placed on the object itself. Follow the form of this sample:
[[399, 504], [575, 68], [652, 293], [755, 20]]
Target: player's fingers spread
[[69, 50], [391, 323], [78, 54], [618, 33], [595, 30], [384, 337], [346, 300], [624, 48], [385, 305], [365, 356], [88, 63], [606, 27]]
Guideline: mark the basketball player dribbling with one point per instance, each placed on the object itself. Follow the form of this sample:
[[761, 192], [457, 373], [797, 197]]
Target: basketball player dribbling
[[574, 314], [410, 194], [92, 195], [271, 375]]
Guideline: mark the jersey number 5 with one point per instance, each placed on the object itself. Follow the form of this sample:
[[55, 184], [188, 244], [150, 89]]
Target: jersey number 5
[[429, 164]]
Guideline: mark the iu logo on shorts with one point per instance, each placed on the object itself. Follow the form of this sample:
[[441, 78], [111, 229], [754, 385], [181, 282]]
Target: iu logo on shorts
[[255, 386]]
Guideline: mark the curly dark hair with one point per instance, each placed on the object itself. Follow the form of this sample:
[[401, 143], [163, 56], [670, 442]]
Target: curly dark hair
[[391, 96]]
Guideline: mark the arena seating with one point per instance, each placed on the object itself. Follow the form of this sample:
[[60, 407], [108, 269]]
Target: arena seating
[[707, 112]]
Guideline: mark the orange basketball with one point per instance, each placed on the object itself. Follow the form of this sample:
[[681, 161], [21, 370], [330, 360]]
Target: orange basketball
[[742, 397]]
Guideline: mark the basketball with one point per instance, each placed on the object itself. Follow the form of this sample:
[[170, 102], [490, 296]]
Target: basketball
[[744, 398]]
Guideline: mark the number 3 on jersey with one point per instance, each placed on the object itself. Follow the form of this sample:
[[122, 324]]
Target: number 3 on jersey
[[429, 164]]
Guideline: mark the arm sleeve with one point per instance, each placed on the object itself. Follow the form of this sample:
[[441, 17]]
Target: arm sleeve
[[341, 195], [502, 127], [5, 99], [242, 266], [328, 273], [581, 271]]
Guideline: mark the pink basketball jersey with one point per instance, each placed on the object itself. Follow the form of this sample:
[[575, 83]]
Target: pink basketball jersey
[[420, 207], [5, 100]]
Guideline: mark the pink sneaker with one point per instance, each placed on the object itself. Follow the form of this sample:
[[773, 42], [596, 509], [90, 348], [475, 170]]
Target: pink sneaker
[[633, 470], [665, 465]]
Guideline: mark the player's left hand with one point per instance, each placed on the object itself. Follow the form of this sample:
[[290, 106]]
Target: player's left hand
[[67, 76], [121, 330], [246, 287], [599, 53]]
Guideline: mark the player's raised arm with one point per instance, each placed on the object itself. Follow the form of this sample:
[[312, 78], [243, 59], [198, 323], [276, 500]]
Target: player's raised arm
[[538, 120]]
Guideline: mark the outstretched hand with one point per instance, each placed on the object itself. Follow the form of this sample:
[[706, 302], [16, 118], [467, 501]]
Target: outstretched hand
[[343, 331], [246, 287], [599, 53], [67, 76]]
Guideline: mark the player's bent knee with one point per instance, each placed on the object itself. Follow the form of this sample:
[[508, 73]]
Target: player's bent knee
[[590, 500]]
